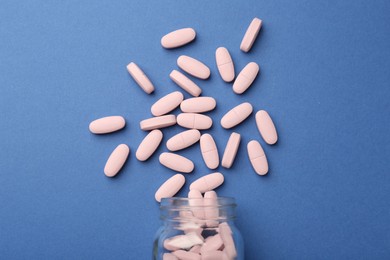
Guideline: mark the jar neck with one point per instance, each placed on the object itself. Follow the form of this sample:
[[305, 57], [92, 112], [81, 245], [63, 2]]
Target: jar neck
[[195, 213]]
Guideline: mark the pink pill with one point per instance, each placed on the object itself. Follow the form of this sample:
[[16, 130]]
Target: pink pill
[[183, 241], [157, 122], [170, 187], [195, 249], [236, 115], [178, 38], [149, 145], [193, 67], [208, 182], [231, 150], [196, 202], [184, 255], [192, 120], [140, 77], [215, 255], [116, 160], [167, 103], [251, 35], [176, 162], [198, 104], [225, 64], [212, 243], [246, 77], [211, 211], [209, 151], [257, 157], [107, 124], [185, 83], [226, 235], [183, 140], [169, 256], [266, 127]]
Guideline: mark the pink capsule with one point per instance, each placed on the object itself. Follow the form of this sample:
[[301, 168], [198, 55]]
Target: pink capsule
[[215, 255], [198, 104], [176, 162], [139, 76], [167, 103], [225, 64], [231, 150], [183, 140], [251, 35], [192, 120], [185, 83], [209, 151], [178, 38], [212, 243], [107, 124], [149, 145], [211, 210], [226, 235], [246, 77], [116, 160], [236, 115], [170, 187], [208, 182], [257, 157], [193, 67], [157, 122], [266, 127]]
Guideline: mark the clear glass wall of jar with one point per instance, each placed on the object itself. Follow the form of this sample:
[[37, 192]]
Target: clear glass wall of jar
[[198, 229]]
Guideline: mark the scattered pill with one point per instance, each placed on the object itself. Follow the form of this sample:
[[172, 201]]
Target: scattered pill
[[157, 122], [208, 182], [169, 256], [251, 35], [192, 120], [116, 160], [209, 151], [266, 127], [183, 140], [167, 103], [198, 104], [107, 124], [178, 38], [225, 64], [176, 162], [193, 67], [236, 115], [149, 145], [231, 150], [246, 77], [170, 187], [226, 236], [185, 83], [257, 157], [140, 77], [184, 255]]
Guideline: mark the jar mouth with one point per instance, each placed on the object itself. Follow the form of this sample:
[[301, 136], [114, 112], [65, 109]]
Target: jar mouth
[[177, 209]]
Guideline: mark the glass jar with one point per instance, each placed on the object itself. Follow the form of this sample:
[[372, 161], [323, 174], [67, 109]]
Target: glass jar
[[201, 228]]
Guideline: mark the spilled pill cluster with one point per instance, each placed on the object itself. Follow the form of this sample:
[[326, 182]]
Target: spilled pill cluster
[[193, 245], [191, 116]]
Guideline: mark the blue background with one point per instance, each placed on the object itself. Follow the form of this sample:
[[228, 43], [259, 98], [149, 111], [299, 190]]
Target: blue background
[[324, 79]]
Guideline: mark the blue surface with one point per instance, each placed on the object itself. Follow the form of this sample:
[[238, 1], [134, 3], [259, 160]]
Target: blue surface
[[324, 79]]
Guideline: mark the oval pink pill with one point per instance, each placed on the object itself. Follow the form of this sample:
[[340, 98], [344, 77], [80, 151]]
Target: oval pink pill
[[198, 104], [236, 115], [231, 150], [257, 157], [169, 256], [208, 182], [167, 103], [139, 76], [107, 124], [178, 38], [192, 120], [149, 145], [251, 35], [193, 67], [215, 255], [176, 162], [185, 83], [266, 127], [170, 187], [184, 255], [246, 77], [225, 64], [116, 160], [183, 140], [211, 211], [226, 234], [196, 202], [157, 122], [209, 151]]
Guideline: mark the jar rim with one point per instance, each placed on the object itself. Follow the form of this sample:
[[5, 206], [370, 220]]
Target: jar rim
[[168, 203]]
